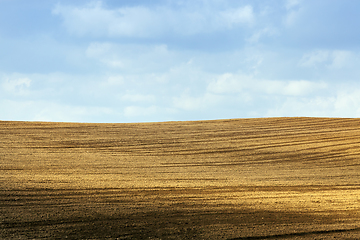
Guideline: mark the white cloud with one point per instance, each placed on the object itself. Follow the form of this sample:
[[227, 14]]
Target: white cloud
[[96, 20], [132, 57], [17, 86], [342, 103], [295, 107], [136, 111], [302, 87], [327, 58], [189, 103], [107, 54], [313, 58], [289, 4], [233, 17], [63, 112], [347, 103], [238, 83], [114, 80], [28, 110], [229, 83], [294, 11], [255, 37], [341, 59], [291, 18], [96, 50], [138, 97], [114, 63], [289, 88]]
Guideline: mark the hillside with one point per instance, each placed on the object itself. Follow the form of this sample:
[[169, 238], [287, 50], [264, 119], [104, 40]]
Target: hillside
[[296, 178]]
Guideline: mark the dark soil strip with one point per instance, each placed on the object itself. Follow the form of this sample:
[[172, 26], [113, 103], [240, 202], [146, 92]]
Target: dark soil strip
[[300, 234]]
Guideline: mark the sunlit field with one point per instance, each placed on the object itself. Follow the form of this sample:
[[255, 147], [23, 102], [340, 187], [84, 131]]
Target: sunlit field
[[269, 178]]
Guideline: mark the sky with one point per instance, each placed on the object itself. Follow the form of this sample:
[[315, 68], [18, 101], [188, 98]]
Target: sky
[[175, 60]]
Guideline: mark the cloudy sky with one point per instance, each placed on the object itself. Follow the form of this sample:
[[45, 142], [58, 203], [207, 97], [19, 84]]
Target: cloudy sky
[[161, 60]]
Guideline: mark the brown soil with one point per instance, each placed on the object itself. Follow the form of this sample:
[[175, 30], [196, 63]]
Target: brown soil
[[270, 178]]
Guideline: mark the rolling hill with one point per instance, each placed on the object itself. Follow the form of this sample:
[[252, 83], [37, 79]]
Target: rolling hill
[[267, 178]]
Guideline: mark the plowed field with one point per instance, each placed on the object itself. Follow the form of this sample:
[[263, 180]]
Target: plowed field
[[269, 178]]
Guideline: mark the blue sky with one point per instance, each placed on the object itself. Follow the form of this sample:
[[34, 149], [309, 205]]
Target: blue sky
[[140, 60]]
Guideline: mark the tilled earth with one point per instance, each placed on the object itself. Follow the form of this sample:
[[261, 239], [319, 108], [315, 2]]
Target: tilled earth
[[276, 178]]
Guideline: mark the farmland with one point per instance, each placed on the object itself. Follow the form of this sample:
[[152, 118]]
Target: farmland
[[290, 178]]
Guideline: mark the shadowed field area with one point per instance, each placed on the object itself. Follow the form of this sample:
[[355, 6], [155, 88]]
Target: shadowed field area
[[270, 178]]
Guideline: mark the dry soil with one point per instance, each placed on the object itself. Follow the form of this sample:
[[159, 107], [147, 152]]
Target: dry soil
[[269, 178]]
